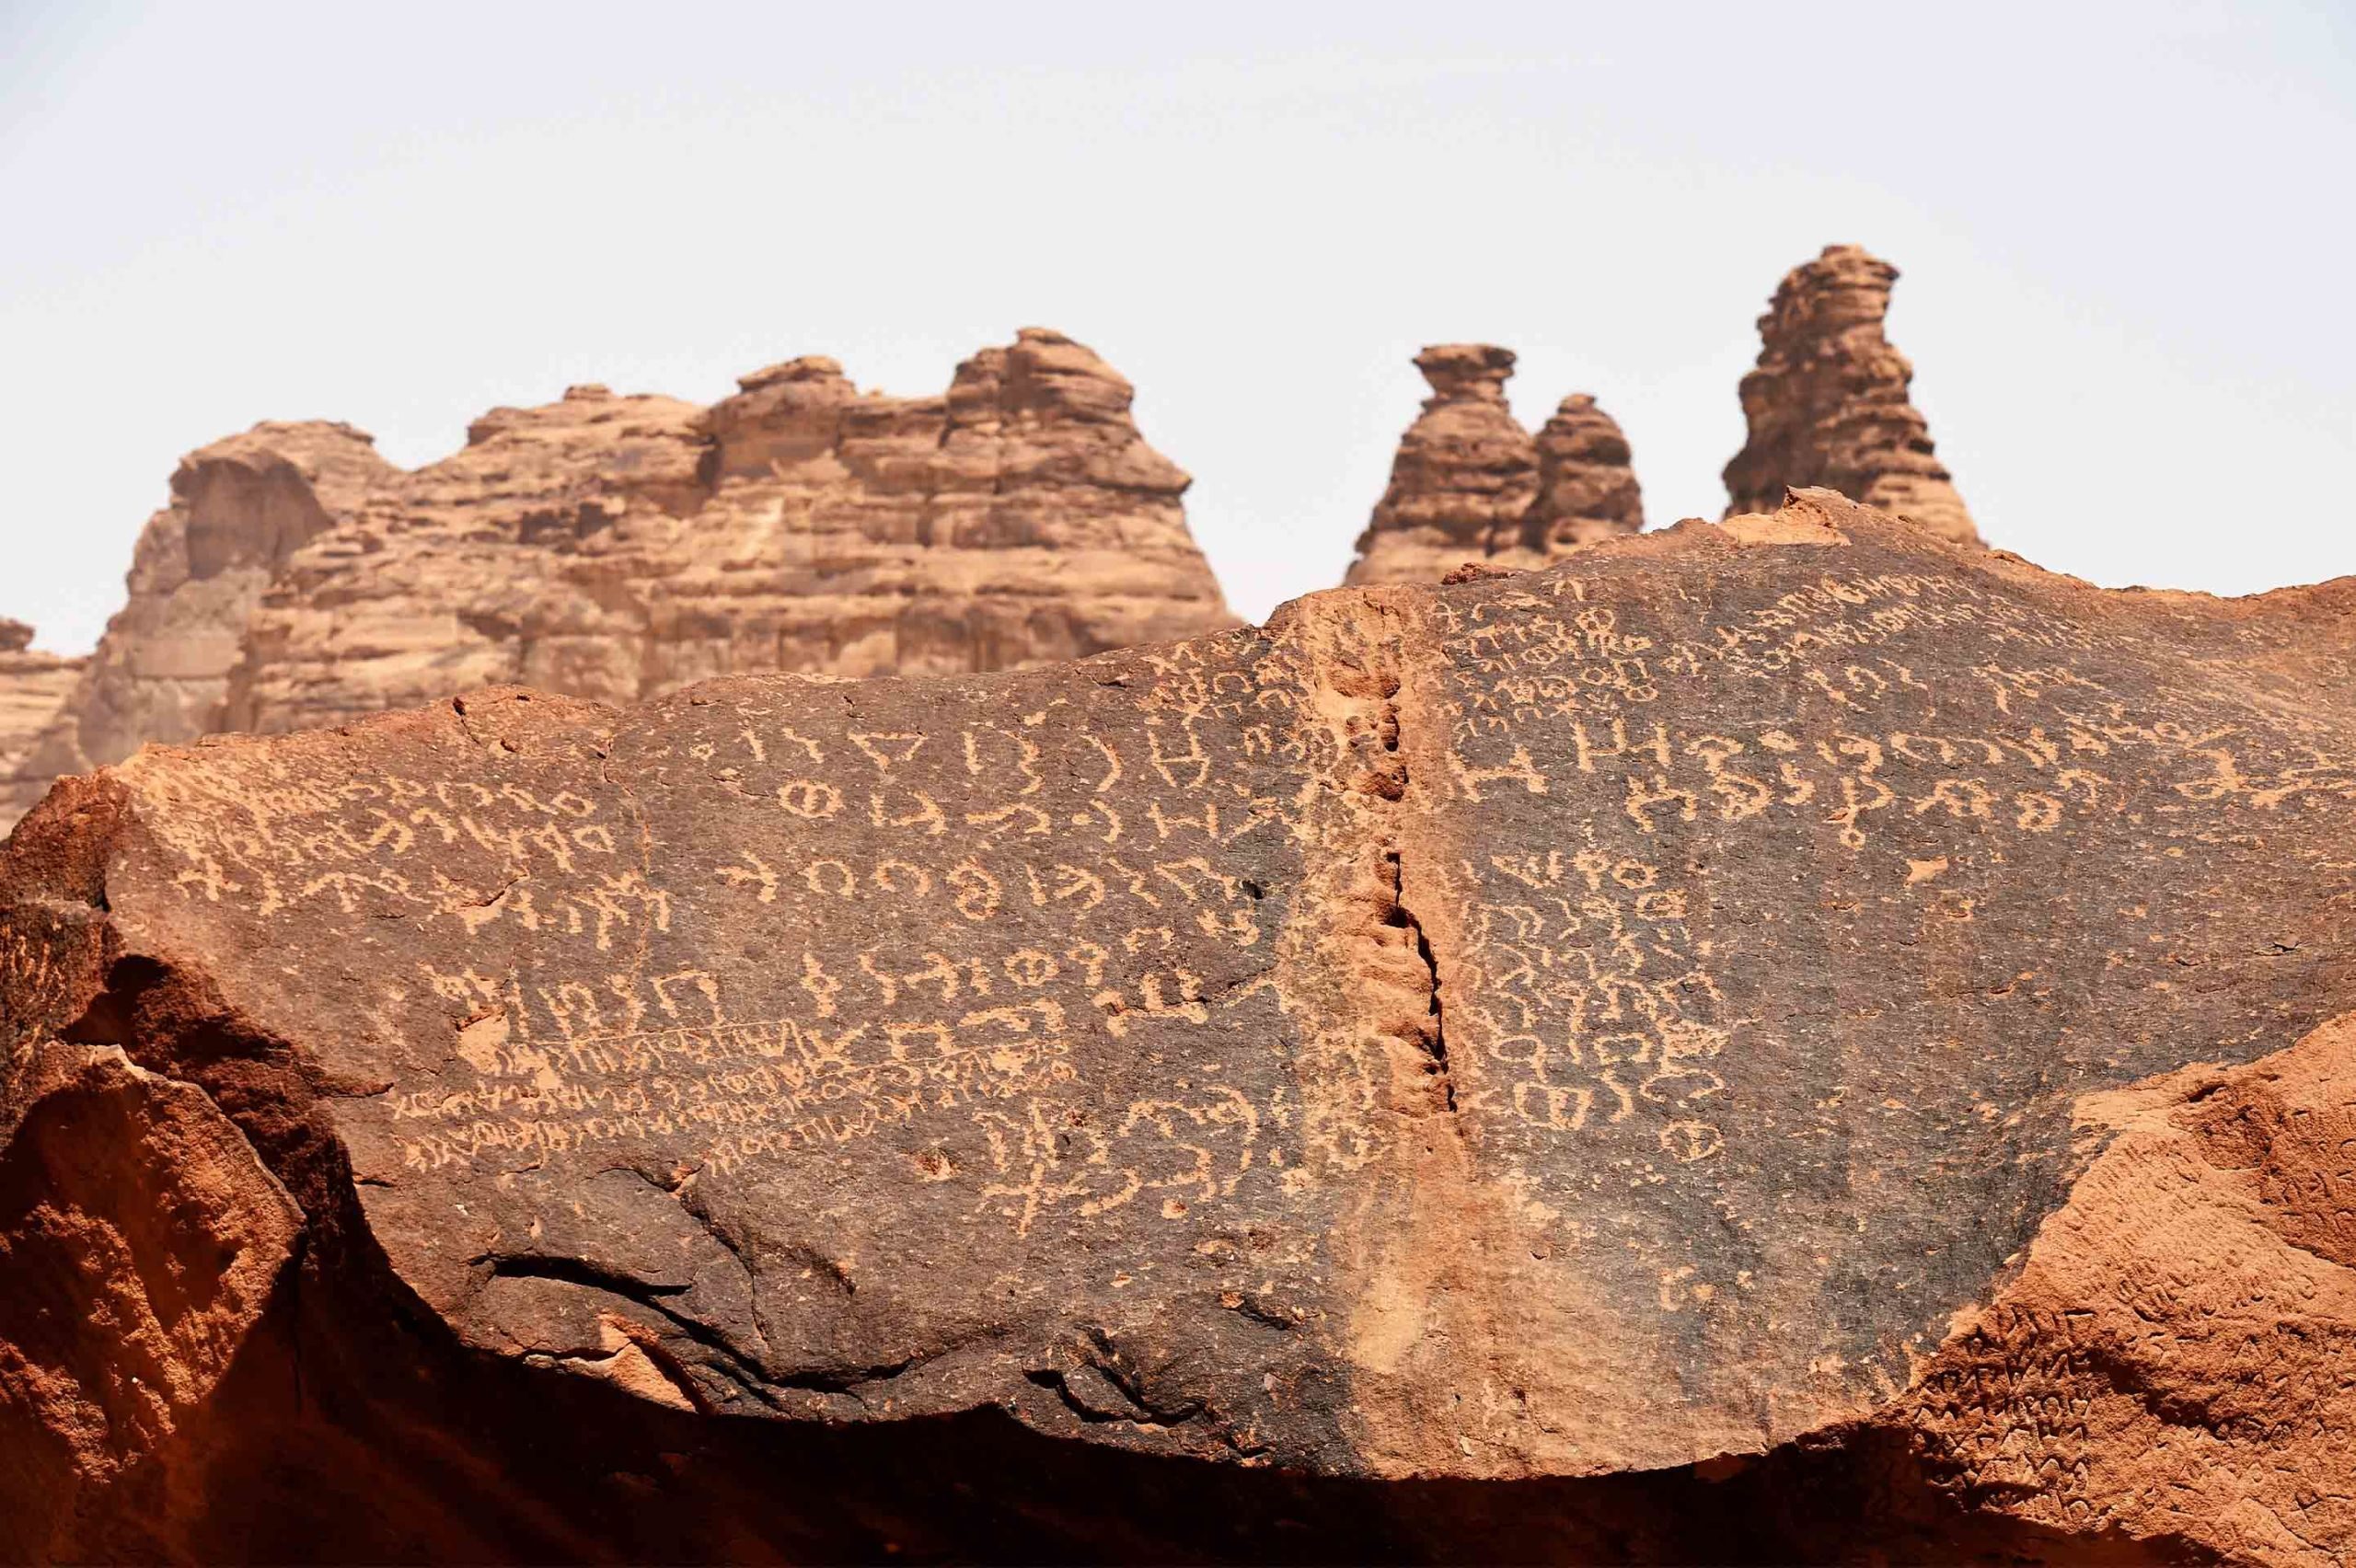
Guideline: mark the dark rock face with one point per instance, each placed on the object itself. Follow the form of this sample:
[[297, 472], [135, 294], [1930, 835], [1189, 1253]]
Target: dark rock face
[[1570, 1065]]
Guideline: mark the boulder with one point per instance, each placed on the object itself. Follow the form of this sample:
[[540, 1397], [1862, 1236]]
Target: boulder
[[1788, 1039]]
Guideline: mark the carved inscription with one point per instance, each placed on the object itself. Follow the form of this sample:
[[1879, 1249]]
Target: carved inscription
[[1717, 938], [1814, 727], [1001, 949]]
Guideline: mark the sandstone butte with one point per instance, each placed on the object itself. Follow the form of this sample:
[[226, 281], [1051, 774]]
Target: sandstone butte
[[1470, 488], [618, 548], [1827, 403], [1783, 1040]]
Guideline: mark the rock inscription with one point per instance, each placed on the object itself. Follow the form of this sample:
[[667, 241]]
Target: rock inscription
[[1574, 1022]]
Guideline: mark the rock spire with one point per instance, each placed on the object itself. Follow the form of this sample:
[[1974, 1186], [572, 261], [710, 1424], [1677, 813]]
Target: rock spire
[[1470, 486], [1827, 403]]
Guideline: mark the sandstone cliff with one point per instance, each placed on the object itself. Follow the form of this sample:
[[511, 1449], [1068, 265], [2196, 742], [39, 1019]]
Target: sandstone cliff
[[1788, 1040], [1470, 486], [1827, 403], [618, 548], [34, 690], [240, 508]]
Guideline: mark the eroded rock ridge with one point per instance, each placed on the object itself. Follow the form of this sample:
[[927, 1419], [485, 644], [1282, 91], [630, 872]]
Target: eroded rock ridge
[[619, 547]]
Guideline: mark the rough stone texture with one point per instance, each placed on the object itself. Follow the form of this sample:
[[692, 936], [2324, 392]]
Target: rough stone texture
[[142, 1241], [1470, 486], [1782, 1040], [2175, 1359], [241, 508], [1827, 404], [1586, 492], [34, 688], [619, 547]]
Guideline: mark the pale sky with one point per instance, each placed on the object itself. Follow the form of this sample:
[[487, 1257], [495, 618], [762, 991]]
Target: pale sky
[[2126, 232]]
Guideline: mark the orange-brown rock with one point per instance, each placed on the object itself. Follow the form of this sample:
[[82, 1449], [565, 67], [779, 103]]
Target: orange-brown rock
[[142, 1243], [240, 508], [619, 547], [1788, 1040], [1586, 492], [1470, 486], [34, 690], [2175, 1362], [1827, 403]]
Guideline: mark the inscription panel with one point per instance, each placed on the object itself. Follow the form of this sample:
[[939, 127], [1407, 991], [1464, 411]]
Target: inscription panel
[[1627, 1010], [863, 982], [1784, 922]]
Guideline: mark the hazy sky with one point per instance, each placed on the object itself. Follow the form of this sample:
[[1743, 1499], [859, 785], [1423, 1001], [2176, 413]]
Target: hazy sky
[[2126, 232]]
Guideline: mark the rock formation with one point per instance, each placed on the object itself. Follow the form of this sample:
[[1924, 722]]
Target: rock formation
[[1787, 1040], [34, 690], [1827, 403], [1470, 486], [1586, 492], [241, 508], [618, 548]]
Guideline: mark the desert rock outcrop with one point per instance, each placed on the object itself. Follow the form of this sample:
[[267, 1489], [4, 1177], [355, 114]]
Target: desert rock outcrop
[[1828, 404], [618, 548], [1586, 490], [1470, 487], [240, 508], [1789, 1038]]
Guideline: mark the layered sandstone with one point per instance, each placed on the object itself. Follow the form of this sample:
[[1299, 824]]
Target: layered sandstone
[[1827, 403], [34, 690], [619, 547], [1587, 489], [239, 508], [1788, 1040], [1470, 486]]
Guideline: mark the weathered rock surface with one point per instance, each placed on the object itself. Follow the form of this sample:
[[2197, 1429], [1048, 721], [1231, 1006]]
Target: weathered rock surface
[[34, 688], [1470, 486], [618, 548], [1586, 492], [1782, 1040], [1828, 404], [241, 508], [142, 1241]]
